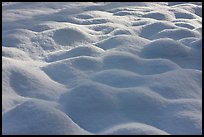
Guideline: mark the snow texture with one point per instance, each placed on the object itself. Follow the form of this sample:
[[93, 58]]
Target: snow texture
[[132, 68]]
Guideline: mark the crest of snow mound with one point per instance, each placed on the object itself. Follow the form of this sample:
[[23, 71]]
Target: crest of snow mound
[[153, 28], [17, 37], [159, 16], [134, 129], [77, 51], [176, 34], [28, 81], [72, 69], [165, 48], [122, 40], [37, 117], [126, 61], [197, 44], [70, 36], [14, 53]]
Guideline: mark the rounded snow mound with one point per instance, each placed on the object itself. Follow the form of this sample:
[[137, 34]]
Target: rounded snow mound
[[70, 36], [129, 62], [171, 88], [184, 14], [96, 111], [122, 32], [176, 34], [74, 52], [141, 22], [106, 106], [125, 61], [14, 53], [158, 16], [194, 8], [33, 83], [64, 72], [36, 117], [71, 70], [153, 28], [199, 30], [185, 25], [121, 40], [188, 41], [91, 21], [42, 27], [165, 48], [17, 37], [134, 129], [197, 44]]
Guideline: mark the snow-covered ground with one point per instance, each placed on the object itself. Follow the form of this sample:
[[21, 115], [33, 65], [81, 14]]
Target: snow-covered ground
[[102, 68]]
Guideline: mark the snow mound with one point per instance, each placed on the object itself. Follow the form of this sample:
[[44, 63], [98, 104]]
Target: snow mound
[[91, 21], [173, 89], [78, 51], [180, 33], [121, 40], [188, 41], [185, 25], [158, 16], [73, 69], [122, 32], [140, 22], [184, 56], [154, 28], [184, 14], [197, 44], [31, 117], [33, 82], [165, 48], [117, 105], [199, 30], [135, 64], [70, 36], [64, 73], [14, 53], [42, 27], [134, 129], [100, 106], [16, 38]]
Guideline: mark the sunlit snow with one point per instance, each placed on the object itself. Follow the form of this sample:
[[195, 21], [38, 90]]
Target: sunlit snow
[[102, 68]]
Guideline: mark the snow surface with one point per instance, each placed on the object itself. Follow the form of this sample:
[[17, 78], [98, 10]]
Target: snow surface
[[102, 68]]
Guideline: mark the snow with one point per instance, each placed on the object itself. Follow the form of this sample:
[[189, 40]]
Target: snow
[[133, 129], [132, 68], [38, 117]]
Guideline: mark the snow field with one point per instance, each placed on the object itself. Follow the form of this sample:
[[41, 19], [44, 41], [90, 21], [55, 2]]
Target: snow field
[[102, 68]]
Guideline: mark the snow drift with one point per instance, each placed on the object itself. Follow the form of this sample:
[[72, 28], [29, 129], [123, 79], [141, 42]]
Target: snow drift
[[131, 68]]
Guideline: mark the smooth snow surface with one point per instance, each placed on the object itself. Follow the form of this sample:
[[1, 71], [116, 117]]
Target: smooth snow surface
[[102, 68]]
